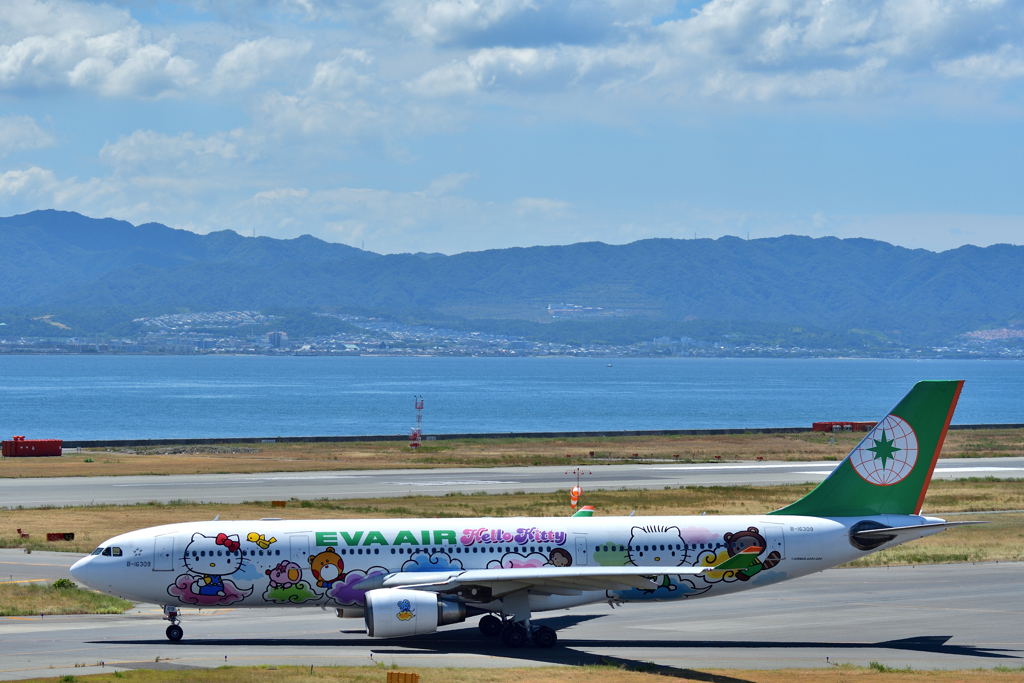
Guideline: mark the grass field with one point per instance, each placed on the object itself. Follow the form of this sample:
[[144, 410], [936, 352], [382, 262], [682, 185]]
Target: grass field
[[288, 457], [581, 674], [34, 599], [1002, 539]]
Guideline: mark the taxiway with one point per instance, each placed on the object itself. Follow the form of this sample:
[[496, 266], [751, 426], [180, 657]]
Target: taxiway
[[944, 616], [237, 488]]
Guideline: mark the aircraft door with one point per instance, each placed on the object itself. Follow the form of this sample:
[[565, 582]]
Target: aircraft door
[[298, 549], [163, 553], [775, 538], [582, 558]]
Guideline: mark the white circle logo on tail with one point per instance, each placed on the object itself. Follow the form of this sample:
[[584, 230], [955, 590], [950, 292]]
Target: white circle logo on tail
[[888, 454]]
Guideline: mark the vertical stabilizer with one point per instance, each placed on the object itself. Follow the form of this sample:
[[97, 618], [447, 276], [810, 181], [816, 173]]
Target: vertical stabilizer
[[889, 471]]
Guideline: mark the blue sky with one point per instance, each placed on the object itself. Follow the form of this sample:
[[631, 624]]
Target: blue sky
[[454, 125]]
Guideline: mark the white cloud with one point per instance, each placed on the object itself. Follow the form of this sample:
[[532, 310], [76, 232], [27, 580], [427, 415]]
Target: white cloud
[[149, 147], [554, 207], [33, 181], [756, 49], [22, 132], [254, 61], [270, 196], [1005, 63], [448, 183], [71, 44]]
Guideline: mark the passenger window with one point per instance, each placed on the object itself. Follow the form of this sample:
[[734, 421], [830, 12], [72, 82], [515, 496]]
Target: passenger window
[[116, 552], [106, 552], [277, 552]]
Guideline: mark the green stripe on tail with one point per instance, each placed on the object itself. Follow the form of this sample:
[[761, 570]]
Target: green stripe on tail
[[889, 471]]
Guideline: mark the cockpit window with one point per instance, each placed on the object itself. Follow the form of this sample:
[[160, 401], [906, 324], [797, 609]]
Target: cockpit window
[[106, 552], [97, 551], [116, 552]]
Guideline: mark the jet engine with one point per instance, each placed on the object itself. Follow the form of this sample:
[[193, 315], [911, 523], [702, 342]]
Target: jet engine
[[392, 612]]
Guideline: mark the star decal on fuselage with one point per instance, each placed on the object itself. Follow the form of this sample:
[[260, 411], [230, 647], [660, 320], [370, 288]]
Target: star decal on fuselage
[[884, 449]]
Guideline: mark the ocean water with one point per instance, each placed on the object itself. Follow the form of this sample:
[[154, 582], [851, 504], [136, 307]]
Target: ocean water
[[114, 397]]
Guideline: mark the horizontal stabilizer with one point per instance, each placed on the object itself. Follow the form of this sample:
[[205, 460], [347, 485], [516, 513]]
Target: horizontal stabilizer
[[905, 533]]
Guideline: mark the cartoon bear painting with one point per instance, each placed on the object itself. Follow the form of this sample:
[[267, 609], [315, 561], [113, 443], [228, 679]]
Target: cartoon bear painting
[[327, 567], [737, 542]]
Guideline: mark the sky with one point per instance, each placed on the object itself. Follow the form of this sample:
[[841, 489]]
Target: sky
[[458, 125]]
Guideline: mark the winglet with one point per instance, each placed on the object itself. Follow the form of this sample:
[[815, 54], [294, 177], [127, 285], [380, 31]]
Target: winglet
[[585, 511]]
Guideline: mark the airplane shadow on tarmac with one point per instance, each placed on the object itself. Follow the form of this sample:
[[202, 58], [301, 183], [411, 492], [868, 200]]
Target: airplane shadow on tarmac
[[468, 641]]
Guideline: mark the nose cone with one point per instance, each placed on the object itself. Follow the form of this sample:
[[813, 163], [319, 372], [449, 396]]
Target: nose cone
[[79, 570]]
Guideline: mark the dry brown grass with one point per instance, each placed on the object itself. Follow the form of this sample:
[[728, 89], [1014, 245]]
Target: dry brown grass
[[580, 674], [293, 457], [1002, 540]]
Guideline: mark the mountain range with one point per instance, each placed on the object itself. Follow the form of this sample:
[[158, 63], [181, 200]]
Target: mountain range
[[99, 272]]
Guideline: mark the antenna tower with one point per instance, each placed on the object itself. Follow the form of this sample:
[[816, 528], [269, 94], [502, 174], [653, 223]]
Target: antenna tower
[[416, 437]]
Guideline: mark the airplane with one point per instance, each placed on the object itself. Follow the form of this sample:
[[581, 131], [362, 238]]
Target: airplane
[[411, 576]]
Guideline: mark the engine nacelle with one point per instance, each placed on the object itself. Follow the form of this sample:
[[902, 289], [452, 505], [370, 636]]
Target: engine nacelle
[[392, 612]]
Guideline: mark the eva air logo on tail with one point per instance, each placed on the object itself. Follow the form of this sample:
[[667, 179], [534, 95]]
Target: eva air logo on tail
[[888, 454]]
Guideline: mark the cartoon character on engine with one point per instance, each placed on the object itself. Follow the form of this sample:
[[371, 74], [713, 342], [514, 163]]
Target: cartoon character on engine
[[327, 567]]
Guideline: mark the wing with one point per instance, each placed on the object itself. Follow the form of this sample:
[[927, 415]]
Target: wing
[[494, 583]]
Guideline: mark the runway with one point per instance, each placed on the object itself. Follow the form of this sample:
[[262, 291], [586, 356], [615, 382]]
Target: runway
[[944, 616], [237, 488]]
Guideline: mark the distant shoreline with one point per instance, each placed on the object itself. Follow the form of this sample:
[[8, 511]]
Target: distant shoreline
[[143, 443]]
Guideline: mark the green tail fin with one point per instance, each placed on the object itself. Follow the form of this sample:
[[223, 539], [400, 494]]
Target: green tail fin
[[889, 471]]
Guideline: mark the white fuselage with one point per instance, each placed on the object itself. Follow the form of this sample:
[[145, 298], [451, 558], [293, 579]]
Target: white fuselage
[[277, 563]]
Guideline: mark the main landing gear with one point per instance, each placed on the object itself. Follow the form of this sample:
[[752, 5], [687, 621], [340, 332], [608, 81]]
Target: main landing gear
[[517, 634], [174, 631]]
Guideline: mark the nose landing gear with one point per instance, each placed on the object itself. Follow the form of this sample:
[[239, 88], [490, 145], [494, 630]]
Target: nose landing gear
[[174, 632]]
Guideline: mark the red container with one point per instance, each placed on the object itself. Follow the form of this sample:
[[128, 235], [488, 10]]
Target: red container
[[19, 447]]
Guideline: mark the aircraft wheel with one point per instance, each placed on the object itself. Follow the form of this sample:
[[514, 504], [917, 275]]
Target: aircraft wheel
[[514, 636], [545, 636], [174, 633], [491, 626]]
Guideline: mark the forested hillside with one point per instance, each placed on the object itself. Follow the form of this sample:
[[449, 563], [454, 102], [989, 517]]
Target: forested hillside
[[111, 270]]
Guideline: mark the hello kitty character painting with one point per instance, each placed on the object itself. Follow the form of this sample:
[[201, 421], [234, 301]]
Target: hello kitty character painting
[[209, 559], [658, 546]]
